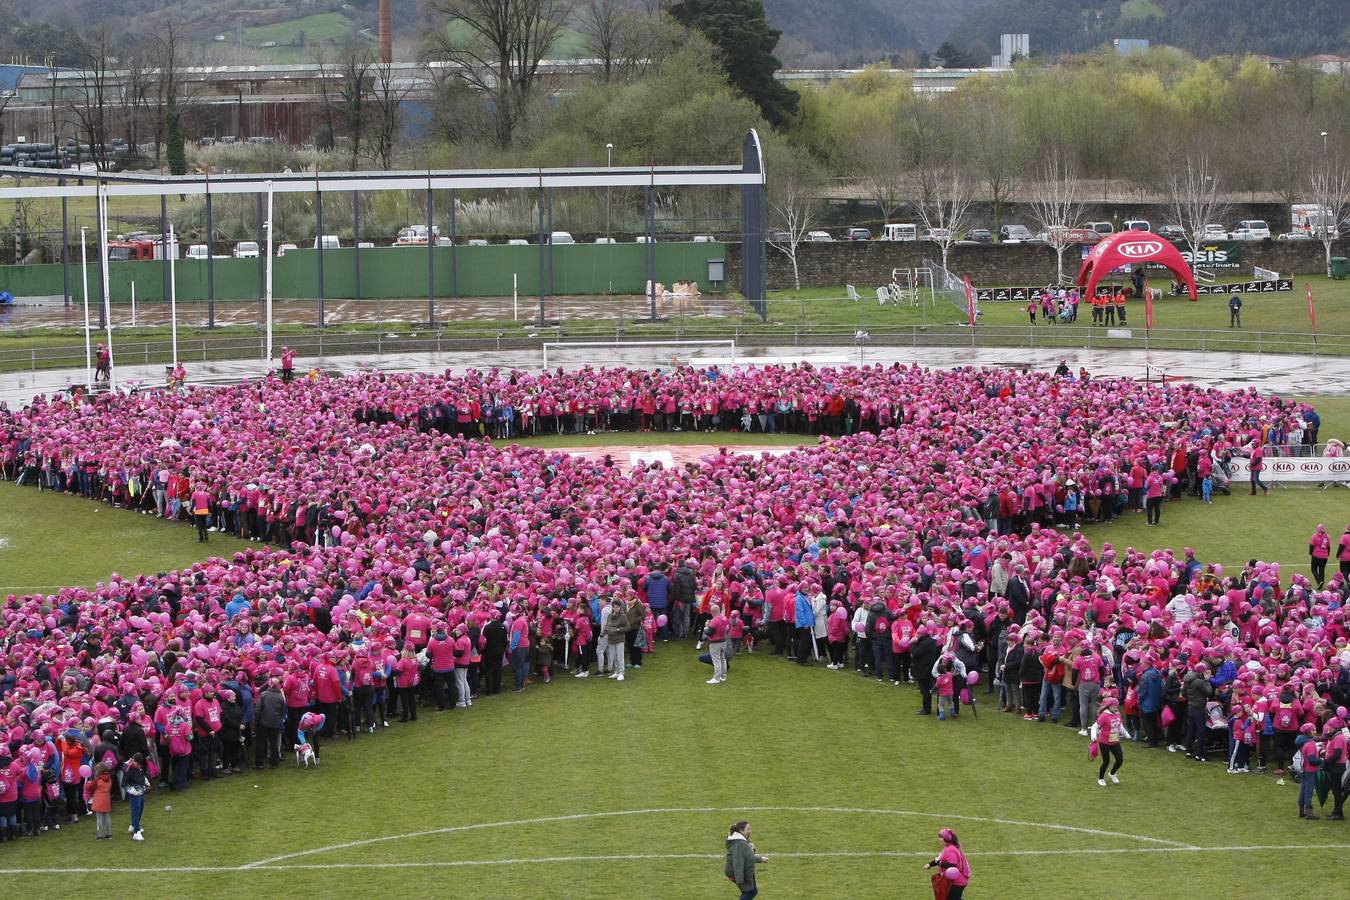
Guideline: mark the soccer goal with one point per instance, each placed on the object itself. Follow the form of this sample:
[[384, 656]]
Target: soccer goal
[[1261, 274], [645, 354]]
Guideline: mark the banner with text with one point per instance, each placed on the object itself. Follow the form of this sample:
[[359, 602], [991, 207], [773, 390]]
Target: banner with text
[[1241, 287], [1295, 468]]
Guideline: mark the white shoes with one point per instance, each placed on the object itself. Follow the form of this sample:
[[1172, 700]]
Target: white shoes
[[1082, 732], [131, 829], [698, 645], [713, 680], [1102, 782], [620, 677], [138, 836], [722, 679], [584, 673], [1114, 779]]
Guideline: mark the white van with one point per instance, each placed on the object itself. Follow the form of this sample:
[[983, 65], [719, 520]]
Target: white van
[[605, 240], [198, 251], [246, 250], [1137, 225], [819, 236], [330, 242], [517, 242], [477, 242], [900, 232], [1251, 230], [561, 237]]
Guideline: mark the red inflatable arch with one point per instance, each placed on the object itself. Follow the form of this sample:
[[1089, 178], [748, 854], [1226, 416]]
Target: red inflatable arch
[[1126, 247]]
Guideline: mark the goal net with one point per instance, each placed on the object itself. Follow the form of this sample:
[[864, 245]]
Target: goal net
[[639, 354], [946, 286]]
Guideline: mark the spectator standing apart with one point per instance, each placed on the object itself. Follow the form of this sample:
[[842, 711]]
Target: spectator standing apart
[[1107, 732], [135, 785], [1235, 311], [1153, 494], [924, 656], [287, 365], [201, 510], [953, 868], [716, 633], [615, 624], [1319, 550], [1089, 668], [1256, 464], [741, 860], [804, 620]]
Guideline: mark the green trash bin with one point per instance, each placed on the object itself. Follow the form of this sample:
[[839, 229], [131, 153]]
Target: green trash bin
[[1340, 267]]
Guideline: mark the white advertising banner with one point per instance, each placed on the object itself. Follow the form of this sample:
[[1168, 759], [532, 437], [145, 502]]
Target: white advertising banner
[[1296, 468]]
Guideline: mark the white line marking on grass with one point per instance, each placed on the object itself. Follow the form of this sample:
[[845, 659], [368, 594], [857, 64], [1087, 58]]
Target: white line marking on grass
[[649, 857], [453, 829]]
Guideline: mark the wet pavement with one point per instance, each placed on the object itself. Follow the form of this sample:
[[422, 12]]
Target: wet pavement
[[1268, 373], [47, 312]]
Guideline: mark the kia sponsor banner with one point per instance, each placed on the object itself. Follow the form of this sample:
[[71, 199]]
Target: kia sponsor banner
[[1296, 468], [1242, 287]]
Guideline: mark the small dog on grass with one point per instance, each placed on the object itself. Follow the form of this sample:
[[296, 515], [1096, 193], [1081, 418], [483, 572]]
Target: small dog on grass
[[304, 755]]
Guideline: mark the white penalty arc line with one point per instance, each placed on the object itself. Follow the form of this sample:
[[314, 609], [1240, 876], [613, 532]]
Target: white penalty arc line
[[574, 817], [652, 857]]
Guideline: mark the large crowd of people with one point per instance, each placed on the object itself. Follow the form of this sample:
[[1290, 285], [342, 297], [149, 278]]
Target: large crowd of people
[[929, 536]]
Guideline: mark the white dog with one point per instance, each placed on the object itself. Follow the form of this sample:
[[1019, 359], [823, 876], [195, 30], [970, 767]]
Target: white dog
[[304, 755]]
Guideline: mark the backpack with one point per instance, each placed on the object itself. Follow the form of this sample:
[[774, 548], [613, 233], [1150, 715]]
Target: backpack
[[1284, 718], [1297, 765]]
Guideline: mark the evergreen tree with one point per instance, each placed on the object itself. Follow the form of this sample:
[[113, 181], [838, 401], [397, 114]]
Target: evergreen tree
[[746, 44], [173, 139]]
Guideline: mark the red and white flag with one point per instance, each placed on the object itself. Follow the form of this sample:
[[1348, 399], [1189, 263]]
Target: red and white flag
[[1312, 310], [1148, 308], [970, 303]]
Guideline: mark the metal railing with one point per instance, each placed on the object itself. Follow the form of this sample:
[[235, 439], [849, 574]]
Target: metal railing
[[382, 341]]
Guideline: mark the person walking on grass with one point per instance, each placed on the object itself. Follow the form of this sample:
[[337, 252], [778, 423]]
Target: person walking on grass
[[98, 794], [742, 859], [135, 785], [1106, 732], [1235, 311], [953, 869], [715, 633]]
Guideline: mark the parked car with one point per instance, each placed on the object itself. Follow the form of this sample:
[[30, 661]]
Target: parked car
[[900, 232], [198, 251], [780, 237], [1214, 232], [1172, 232], [935, 234], [605, 240], [476, 242], [1014, 234], [1136, 225], [704, 239], [246, 250], [979, 236], [1251, 230], [1102, 228], [642, 239], [517, 242], [561, 237], [818, 236], [859, 234]]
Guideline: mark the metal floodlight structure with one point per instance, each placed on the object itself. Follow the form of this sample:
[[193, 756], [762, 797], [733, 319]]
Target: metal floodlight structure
[[102, 187]]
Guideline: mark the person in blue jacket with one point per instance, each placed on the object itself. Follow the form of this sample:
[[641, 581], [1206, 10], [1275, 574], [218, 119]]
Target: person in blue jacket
[[1150, 692], [804, 620], [658, 598]]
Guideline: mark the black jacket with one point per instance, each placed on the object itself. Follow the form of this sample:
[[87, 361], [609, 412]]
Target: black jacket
[[923, 653], [494, 641], [271, 709], [133, 741], [684, 585]]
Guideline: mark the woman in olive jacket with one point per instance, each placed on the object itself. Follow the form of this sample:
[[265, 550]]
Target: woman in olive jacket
[[741, 860]]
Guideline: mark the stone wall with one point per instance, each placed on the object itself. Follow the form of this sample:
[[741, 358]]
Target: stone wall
[[867, 264]]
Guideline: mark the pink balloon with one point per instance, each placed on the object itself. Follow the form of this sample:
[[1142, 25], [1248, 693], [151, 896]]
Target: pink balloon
[[973, 678], [661, 621], [85, 771], [409, 575], [337, 532]]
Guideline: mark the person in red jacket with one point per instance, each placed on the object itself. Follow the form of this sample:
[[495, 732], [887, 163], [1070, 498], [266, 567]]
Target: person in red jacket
[[406, 675], [328, 694], [206, 728]]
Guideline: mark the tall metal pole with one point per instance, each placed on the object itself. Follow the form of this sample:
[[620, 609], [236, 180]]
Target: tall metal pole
[[548, 228], [164, 244], [210, 259], [173, 300], [267, 289], [318, 217], [107, 289], [649, 225], [356, 239], [431, 261], [543, 239], [609, 164], [263, 219], [454, 261], [65, 246], [84, 272]]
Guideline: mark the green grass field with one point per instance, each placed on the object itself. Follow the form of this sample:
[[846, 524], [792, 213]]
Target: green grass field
[[590, 788]]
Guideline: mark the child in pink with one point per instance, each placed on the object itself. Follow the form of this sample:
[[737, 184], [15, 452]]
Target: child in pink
[[1107, 733], [946, 689]]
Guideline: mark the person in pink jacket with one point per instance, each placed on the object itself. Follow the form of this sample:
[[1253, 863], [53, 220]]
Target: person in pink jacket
[[953, 875], [1319, 551], [406, 675], [1107, 733]]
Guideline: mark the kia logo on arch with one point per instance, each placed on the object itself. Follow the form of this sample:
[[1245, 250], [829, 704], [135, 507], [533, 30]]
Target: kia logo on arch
[[1138, 249]]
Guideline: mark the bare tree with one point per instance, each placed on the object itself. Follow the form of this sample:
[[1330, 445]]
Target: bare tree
[[1193, 191], [946, 211], [501, 55], [1057, 202], [794, 201], [877, 159], [162, 85], [1329, 188], [646, 38], [386, 96], [88, 102], [600, 23], [353, 86]]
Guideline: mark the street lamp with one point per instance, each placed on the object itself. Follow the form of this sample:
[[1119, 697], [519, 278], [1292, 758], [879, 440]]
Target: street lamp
[[609, 163], [1324, 143], [84, 273]]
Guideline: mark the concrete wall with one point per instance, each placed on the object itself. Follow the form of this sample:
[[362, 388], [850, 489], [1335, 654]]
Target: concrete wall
[[869, 263]]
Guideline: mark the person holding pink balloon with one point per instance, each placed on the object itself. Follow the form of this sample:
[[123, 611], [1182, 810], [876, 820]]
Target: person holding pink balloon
[[953, 875], [98, 794]]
